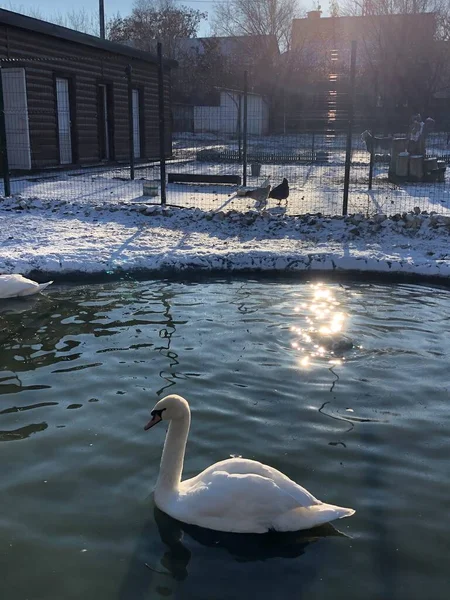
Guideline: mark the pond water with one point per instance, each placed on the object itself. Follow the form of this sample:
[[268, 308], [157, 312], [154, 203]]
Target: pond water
[[361, 423]]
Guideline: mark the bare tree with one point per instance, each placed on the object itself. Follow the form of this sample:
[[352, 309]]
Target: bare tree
[[441, 8], [256, 17], [390, 7], [334, 8], [405, 59], [29, 11], [80, 20], [156, 20]]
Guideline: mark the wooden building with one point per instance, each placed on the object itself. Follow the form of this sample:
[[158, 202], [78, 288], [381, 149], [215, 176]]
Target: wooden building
[[66, 97]]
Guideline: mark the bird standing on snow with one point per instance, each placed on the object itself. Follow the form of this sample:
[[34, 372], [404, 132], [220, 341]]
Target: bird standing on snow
[[14, 286], [281, 192], [260, 194]]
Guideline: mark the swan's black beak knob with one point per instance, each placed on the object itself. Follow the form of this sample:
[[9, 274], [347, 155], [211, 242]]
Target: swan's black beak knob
[[156, 418]]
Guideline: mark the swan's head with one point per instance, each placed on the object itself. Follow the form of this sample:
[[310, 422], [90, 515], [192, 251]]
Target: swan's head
[[169, 408]]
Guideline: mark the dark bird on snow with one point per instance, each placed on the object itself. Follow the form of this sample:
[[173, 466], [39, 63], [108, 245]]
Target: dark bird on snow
[[260, 194], [280, 192]]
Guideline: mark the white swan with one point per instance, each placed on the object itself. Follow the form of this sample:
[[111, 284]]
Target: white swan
[[12, 286], [234, 495]]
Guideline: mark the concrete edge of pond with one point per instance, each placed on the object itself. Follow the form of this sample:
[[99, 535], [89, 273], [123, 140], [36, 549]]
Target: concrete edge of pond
[[197, 274]]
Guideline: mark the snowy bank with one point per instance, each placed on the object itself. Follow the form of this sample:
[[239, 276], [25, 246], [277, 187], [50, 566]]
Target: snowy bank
[[60, 238]]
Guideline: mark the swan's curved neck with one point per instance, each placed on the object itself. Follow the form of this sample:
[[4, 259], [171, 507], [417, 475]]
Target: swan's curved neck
[[173, 456]]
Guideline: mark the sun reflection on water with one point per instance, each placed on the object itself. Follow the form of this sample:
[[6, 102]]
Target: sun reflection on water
[[322, 337]]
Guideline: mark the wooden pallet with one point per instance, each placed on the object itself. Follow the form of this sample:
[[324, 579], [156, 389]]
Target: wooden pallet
[[203, 178]]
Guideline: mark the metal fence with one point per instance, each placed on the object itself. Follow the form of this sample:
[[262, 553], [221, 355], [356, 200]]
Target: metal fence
[[231, 151]]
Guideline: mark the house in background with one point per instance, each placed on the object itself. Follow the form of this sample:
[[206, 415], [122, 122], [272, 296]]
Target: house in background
[[66, 96], [318, 35], [440, 104], [225, 59], [208, 90], [242, 45], [393, 58], [223, 112]]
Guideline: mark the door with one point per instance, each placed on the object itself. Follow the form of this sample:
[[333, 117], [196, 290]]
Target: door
[[136, 125], [16, 118], [103, 122], [64, 121]]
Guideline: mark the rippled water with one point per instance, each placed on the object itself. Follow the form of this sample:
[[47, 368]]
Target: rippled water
[[363, 422]]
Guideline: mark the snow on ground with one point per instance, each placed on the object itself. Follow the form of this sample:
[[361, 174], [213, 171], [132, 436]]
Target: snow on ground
[[96, 220], [314, 187], [64, 237]]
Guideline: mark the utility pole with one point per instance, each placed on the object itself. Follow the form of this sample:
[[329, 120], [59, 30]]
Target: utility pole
[[101, 14]]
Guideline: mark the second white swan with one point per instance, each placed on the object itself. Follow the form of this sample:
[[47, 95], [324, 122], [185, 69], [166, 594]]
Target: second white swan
[[16, 286], [234, 495]]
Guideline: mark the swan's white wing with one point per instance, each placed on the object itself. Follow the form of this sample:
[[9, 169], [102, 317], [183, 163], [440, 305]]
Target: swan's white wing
[[12, 286], [16, 285], [232, 502], [234, 466]]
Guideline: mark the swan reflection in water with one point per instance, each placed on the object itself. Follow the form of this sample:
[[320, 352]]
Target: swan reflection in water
[[243, 547], [17, 306], [147, 572]]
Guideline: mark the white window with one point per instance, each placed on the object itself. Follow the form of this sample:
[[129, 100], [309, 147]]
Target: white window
[[16, 118], [103, 123], [64, 121], [136, 124]]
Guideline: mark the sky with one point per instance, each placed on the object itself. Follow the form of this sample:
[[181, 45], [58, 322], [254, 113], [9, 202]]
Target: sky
[[112, 7]]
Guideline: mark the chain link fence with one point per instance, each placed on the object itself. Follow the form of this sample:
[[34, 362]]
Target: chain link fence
[[230, 149], [78, 130]]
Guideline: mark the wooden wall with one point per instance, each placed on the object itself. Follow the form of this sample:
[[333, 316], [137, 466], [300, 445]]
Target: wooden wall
[[45, 57]]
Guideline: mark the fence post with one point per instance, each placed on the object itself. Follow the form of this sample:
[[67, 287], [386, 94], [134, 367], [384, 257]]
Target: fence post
[[372, 160], [348, 152], [130, 120], [162, 125], [240, 128], [3, 145], [244, 158]]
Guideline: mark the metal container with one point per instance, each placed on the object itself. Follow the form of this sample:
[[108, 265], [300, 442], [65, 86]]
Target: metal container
[[150, 188], [255, 169]]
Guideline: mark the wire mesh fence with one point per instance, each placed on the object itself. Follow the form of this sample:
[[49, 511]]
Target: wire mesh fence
[[74, 129], [428, 188], [64, 138]]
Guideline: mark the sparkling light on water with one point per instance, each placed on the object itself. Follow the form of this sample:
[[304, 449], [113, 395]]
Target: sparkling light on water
[[321, 334]]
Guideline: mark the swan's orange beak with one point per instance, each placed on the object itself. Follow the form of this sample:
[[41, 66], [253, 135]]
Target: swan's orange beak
[[155, 419]]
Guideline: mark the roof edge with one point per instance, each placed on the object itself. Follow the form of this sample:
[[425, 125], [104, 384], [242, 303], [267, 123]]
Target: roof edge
[[417, 15], [14, 19]]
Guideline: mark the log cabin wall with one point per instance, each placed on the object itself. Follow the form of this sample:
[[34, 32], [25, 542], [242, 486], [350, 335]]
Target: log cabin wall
[[85, 71]]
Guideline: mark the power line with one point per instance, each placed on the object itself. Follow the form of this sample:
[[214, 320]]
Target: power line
[[203, 1]]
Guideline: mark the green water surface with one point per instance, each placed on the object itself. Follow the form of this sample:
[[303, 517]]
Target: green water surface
[[345, 388]]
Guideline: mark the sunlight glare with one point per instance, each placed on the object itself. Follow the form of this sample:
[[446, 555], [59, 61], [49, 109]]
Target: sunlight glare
[[304, 361], [324, 325], [335, 361]]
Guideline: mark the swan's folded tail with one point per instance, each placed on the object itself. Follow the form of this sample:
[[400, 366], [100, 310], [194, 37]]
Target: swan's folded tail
[[42, 286], [311, 516], [34, 288], [340, 511]]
